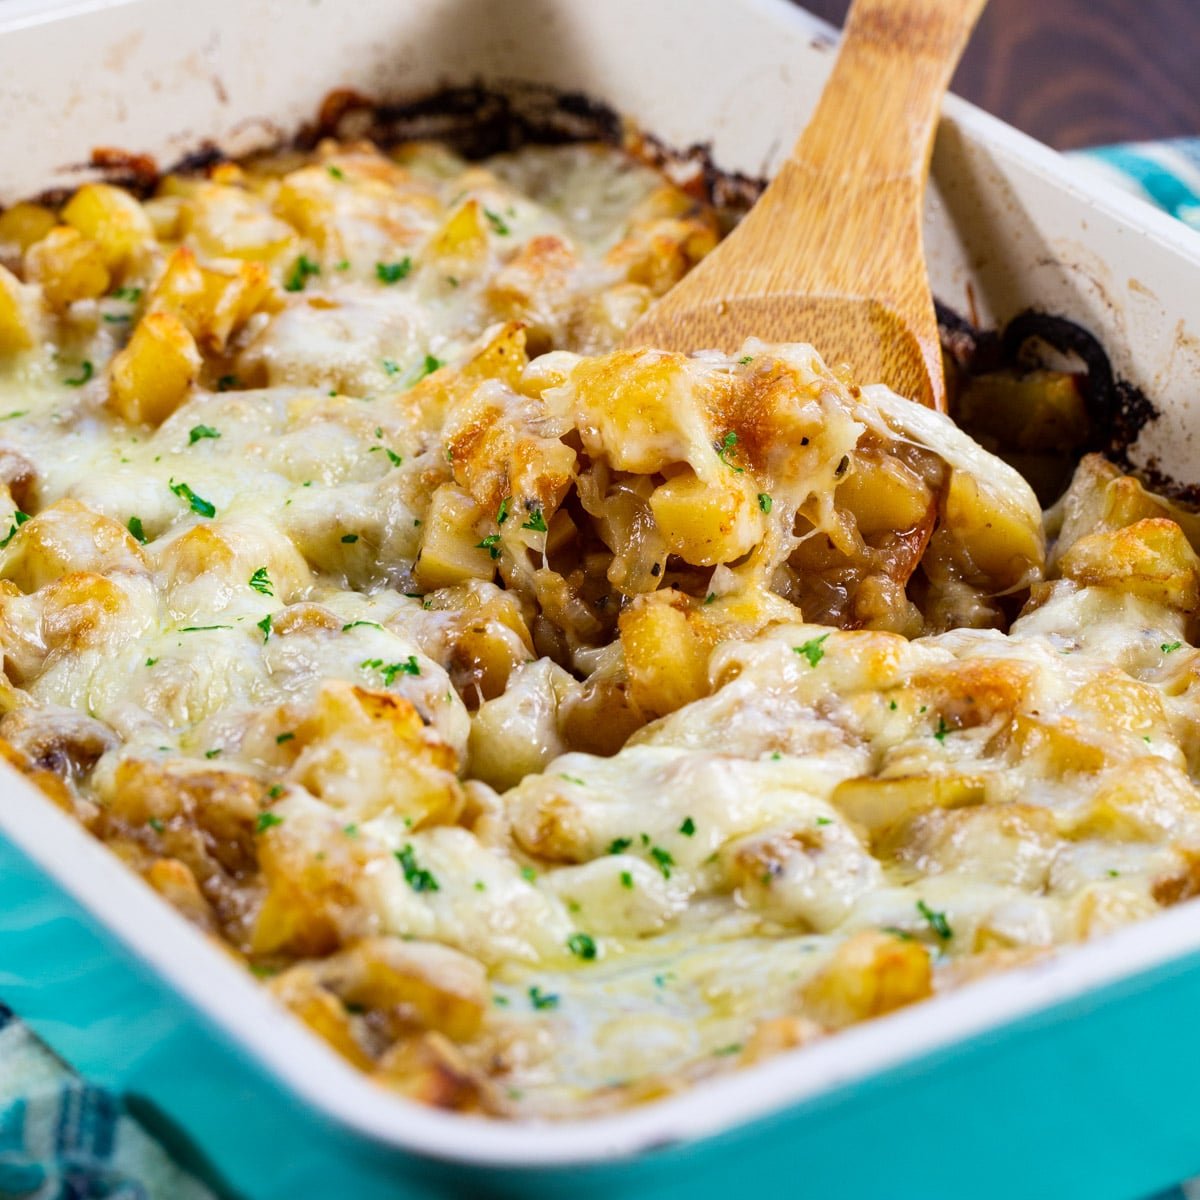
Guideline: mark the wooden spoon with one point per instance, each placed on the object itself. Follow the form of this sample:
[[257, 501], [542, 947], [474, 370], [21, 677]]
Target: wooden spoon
[[833, 253]]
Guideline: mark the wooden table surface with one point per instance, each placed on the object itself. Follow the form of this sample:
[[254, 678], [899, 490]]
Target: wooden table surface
[[1081, 72]]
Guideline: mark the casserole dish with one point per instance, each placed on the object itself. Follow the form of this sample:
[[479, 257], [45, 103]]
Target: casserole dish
[[154, 1068]]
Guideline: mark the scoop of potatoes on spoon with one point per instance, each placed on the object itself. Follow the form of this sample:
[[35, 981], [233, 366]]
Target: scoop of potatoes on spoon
[[832, 253]]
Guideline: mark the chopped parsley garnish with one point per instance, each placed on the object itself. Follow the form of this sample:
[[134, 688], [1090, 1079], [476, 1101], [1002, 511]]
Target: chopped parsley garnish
[[664, 860], [350, 830], [301, 272], [491, 544], [214, 753], [688, 827], [393, 457], [940, 732], [275, 791], [135, 528], [902, 934], [283, 737], [536, 522], [497, 222], [202, 628], [746, 358], [824, 820], [892, 705], [528, 874], [226, 382], [86, 371], [389, 671], [725, 447], [265, 626], [349, 538], [813, 650], [765, 502], [415, 876], [574, 779], [155, 824], [540, 999], [626, 879], [17, 412], [582, 946], [710, 597], [356, 624], [197, 503], [937, 921], [130, 294], [336, 171], [502, 511], [116, 318], [199, 432], [151, 661], [428, 367], [265, 821], [260, 581], [619, 845], [1170, 647], [393, 272], [732, 1048], [391, 366]]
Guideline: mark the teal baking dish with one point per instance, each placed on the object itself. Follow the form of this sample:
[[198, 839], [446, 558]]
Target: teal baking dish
[[1068, 1078]]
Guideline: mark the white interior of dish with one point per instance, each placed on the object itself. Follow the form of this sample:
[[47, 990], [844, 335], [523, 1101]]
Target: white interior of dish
[[1007, 228]]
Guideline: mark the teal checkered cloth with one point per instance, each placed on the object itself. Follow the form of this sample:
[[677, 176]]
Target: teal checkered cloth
[[62, 1139]]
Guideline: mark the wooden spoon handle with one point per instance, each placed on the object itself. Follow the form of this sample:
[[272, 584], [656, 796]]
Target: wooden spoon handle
[[878, 112]]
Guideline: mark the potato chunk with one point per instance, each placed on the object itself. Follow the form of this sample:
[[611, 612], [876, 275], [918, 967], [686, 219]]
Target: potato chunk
[[68, 265], [151, 377], [18, 320], [368, 753], [707, 523], [1151, 558], [450, 548], [871, 974], [111, 218]]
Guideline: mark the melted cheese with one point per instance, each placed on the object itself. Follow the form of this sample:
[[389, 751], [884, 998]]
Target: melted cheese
[[554, 725]]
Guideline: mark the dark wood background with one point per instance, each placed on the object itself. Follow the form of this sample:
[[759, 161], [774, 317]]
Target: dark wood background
[[1080, 72]]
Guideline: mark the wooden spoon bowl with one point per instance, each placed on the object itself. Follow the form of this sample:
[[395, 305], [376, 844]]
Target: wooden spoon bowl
[[833, 252]]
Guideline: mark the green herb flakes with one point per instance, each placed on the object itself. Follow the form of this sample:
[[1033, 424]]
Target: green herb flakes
[[417, 878], [937, 921], [197, 503], [536, 522], [582, 946], [198, 433], [260, 581], [86, 371], [663, 859], [497, 222], [266, 820], [390, 273], [725, 447], [813, 649], [303, 269], [135, 528]]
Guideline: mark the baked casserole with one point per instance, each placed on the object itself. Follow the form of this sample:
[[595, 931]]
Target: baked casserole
[[552, 726]]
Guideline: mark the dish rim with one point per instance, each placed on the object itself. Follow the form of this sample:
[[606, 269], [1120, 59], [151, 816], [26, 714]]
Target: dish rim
[[231, 999]]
